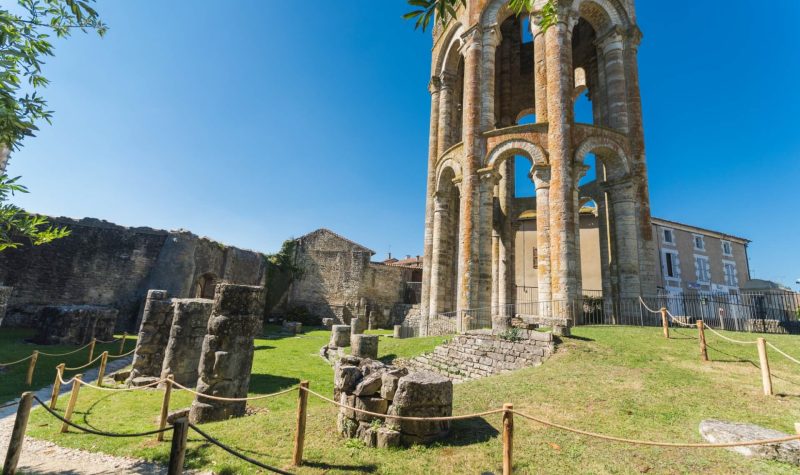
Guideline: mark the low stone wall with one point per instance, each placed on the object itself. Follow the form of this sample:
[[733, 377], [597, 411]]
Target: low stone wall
[[5, 295], [369, 385], [189, 326], [75, 324]]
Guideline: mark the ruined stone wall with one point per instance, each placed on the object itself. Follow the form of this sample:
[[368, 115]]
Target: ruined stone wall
[[189, 324], [104, 264]]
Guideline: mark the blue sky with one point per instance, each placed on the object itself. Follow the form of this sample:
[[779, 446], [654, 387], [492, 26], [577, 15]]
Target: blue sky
[[254, 121]]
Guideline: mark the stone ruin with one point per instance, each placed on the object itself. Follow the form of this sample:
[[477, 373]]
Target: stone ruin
[[340, 339], [189, 327], [74, 324], [227, 353], [370, 385], [5, 295]]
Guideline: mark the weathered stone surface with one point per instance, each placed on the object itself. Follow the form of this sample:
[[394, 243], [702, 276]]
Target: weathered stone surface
[[389, 382], [423, 389], [340, 336], [75, 324], [397, 332], [227, 355], [357, 326], [327, 323], [293, 327], [142, 380], [718, 432], [387, 438], [346, 378], [188, 330], [151, 344], [364, 346], [371, 404], [369, 386], [5, 295], [175, 415]]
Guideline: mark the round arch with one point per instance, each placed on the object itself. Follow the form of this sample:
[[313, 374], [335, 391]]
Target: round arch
[[610, 154], [511, 148], [494, 13], [449, 54], [603, 15], [447, 165]]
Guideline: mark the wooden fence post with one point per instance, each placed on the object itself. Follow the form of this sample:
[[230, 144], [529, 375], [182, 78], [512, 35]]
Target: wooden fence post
[[300, 435], [31, 367], [766, 378], [18, 434], [122, 343], [73, 399], [180, 431], [508, 438], [57, 385], [101, 373], [165, 407], [91, 349], [665, 322], [703, 348]]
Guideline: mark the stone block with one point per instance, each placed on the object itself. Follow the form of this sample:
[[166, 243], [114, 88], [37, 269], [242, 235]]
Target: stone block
[[346, 378], [717, 432], [389, 383], [357, 326], [327, 323], [387, 438], [398, 332], [423, 389], [364, 346], [293, 327], [340, 336], [369, 386], [371, 404]]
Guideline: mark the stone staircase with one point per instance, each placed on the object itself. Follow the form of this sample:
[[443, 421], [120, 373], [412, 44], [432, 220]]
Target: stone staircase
[[479, 354]]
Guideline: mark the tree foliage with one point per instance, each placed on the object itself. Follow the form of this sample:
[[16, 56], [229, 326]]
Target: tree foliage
[[25, 43], [442, 10]]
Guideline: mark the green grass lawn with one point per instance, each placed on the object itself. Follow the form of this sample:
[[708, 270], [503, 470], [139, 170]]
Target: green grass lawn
[[13, 347], [624, 381]]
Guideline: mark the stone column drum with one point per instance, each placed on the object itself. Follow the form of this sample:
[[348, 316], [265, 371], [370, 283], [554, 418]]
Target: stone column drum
[[227, 355], [153, 337], [358, 325], [365, 346], [186, 340], [340, 336]]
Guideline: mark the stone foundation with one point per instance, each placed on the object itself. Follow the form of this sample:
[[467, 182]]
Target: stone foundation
[[227, 355], [189, 324], [75, 324], [372, 386]]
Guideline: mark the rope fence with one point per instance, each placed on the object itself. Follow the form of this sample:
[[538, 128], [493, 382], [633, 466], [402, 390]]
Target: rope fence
[[236, 453]]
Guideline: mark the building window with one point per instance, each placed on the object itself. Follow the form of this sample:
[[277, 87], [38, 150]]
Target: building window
[[699, 243], [729, 268], [727, 248], [672, 265], [669, 236], [535, 258], [702, 269]]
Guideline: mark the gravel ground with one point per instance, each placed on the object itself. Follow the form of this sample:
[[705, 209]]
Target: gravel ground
[[40, 457]]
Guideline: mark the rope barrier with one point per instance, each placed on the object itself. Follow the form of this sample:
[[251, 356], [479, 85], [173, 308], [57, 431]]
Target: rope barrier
[[9, 404], [123, 355], [97, 432], [675, 319], [235, 453], [101, 388], [67, 353], [107, 342], [86, 365], [790, 358], [404, 418], [658, 444], [18, 361], [232, 399], [732, 340], [648, 308]]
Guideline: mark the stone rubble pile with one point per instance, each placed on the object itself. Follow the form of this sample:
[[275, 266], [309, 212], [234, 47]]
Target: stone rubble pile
[[372, 386]]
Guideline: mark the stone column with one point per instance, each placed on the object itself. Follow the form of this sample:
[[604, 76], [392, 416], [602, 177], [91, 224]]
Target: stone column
[[189, 326], [564, 259], [227, 356], [612, 46], [152, 339], [539, 68], [622, 195], [486, 238], [469, 267], [541, 177], [446, 107], [491, 39], [438, 265], [433, 155], [579, 173], [605, 254], [506, 247]]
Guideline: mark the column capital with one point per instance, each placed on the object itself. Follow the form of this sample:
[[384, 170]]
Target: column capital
[[540, 174], [492, 36], [446, 80], [612, 40], [635, 36], [471, 39], [440, 202], [619, 190], [580, 172], [434, 85], [489, 176]]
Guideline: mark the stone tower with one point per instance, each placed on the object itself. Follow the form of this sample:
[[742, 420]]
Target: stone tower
[[491, 68]]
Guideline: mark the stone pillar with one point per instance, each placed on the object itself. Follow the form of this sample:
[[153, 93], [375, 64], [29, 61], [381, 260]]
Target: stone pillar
[[541, 177], [486, 257], [626, 243], [340, 336], [469, 250], [433, 155], [506, 285], [189, 326], [151, 344], [443, 130], [612, 47], [605, 255], [491, 39], [438, 265], [539, 68], [227, 357], [357, 325], [364, 346], [564, 260]]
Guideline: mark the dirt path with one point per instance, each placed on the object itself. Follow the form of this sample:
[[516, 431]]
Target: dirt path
[[41, 457]]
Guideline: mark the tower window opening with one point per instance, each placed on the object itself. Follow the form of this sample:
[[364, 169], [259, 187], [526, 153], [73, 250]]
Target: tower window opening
[[527, 34]]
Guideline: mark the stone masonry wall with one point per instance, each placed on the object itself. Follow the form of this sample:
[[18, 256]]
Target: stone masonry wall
[[101, 263], [75, 324]]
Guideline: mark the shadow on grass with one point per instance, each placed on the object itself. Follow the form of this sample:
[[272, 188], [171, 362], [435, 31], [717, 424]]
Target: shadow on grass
[[468, 432], [263, 347], [270, 383], [196, 457], [574, 337], [345, 468], [734, 358]]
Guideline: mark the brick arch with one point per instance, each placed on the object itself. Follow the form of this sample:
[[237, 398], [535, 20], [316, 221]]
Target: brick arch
[[512, 148], [603, 15], [494, 13], [447, 164], [447, 59], [609, 152]]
